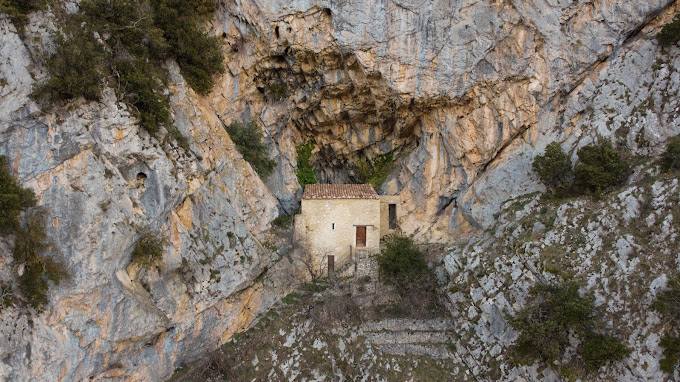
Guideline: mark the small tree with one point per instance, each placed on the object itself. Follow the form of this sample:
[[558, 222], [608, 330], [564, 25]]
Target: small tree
[[248, 140], [670, 33], [670, 159], [599, 168], [375, 172], [554, 168]]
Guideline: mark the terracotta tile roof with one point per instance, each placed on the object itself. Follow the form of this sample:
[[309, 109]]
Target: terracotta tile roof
[[339, 191]]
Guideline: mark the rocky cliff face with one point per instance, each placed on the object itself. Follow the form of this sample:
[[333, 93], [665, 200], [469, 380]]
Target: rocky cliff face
[[463, 93]]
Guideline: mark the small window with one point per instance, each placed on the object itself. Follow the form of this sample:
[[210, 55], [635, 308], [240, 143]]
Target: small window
[[393, 215], [332, 226]]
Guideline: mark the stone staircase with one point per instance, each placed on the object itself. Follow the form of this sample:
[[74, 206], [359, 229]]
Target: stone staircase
[[432, 337]]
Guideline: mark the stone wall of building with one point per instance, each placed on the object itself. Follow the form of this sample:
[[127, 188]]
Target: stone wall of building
[[328, 227]]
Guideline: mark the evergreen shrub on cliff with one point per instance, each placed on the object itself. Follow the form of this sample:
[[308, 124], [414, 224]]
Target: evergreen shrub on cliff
[[30, 243], [248, 140], [18, 10], [668, 304], [554, 169], [13, 199], [600, 167], [670, 159], [670, 33], [149, 248], [124, 45], [552, 314]]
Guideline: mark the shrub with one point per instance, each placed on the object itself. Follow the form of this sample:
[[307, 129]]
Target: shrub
[[75, 70], [554, 169], [552, 313], [304, 171], [670, 159], [148, 249], [277, 91], [39, 270], [597, 350], [248, 140], [375, 173], [667, 303], [137, 37], [400, 261], [670, 33], [198, 54], [671, 353], [283, 221], [600, 167], [13, 199], [18, 10]]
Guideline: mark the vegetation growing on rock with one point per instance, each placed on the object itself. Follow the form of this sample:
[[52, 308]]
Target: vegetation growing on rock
[[599, 168], [668, 304], [248, 140], [18, 10], [39, 270], [553, 313], [670, 33], [124, 44], [554, 169], [30, 243], [670, 159], [304, 171], [149, 249], [13, 199], [375, 172]]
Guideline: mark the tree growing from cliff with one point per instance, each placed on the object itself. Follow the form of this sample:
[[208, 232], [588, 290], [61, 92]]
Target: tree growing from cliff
[[13, 199], [600, 167], [18, 10], [125, 45], [554, 169], [375, 172], [552, 314], [248, 140]]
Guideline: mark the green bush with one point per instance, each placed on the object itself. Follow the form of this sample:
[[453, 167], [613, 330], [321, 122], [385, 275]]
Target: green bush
[[670, 33], [554, 169], [597, 350], [670, 159], [304, 171], [400, 261], [667, 303], [248, 140], [552, 313], [671, 353], [18, 10], [283, 221], [375, 172], [75, 70], [148, 249], [13, 199], [600, 167], [277, 91], [39, 270], [198, 54], [138, 36]]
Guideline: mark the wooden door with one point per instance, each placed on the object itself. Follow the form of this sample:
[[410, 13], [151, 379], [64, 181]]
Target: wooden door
[[361, 236]]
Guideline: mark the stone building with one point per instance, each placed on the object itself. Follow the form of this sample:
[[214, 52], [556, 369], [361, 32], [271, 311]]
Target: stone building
[[341, 219]]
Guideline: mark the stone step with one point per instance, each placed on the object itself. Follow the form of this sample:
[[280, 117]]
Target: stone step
[[409, 324], [408, 337], [432, 351]]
